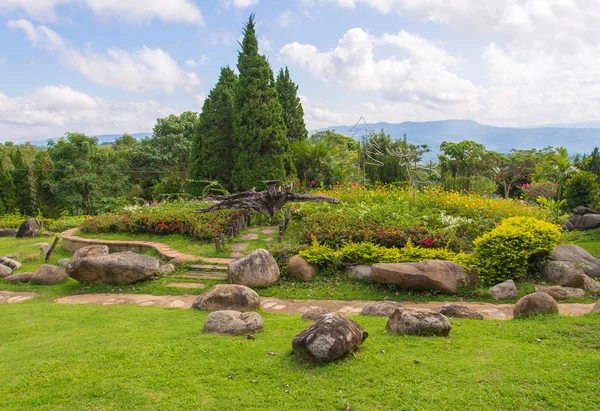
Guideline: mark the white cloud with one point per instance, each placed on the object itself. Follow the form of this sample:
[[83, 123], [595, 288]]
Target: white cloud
[[239, 4], [284, 18], [171, 11], [191, 63], [319, 115], [200, 99], [51, 111], [264, 45], [203, 60], [224, 37], [141, 70]]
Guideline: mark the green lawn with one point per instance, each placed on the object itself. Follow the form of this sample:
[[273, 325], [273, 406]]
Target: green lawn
[[590, 240], [129, 358]]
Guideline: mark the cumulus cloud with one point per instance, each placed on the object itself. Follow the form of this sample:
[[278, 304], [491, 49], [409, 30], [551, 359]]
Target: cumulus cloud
[[224, 37], [140, 70], [51, 111], [284, 18], [170, 11], [239, 4], [265, 45]]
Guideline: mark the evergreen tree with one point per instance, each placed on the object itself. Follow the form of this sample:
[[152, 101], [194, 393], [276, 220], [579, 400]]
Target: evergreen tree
[[23, 183], [212, 155], [7, 190], [293, 114], [261, 148]]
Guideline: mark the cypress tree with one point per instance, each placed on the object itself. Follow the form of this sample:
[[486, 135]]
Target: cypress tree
[[212, 154], [43, 173], [291, 108], [7, 190], [23, 183], [261, 148]]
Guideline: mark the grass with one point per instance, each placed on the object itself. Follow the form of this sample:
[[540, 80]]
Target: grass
[[590, 240], [127, 358]]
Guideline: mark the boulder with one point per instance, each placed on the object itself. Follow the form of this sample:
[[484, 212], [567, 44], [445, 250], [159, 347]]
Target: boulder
[[577, 255], [19, 278], [118, 268], [561, 293], [563, 273], [13, 256], [48, 274], [90, 251], [360, 272], [460, 311], [298, 267], [31, 257], [590, 284], [228, 297], [331, 337], [258, 269], [505, 290], [381, 309], [47, 234], [5, 271], [166, 269], [314, 314], [436, 275], [412, 321], [29, 228], [233, 322], [584, 222], [64, 262], [596, 308], [581, 210], [538, 303], [10, 263], [8, 232]]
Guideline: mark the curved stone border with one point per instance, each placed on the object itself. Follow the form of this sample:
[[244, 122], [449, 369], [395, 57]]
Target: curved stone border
[[73, 243]]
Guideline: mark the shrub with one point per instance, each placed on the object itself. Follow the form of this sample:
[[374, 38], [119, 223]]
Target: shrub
[[518, 246], [581, 189], [546, 189], [319, 254]]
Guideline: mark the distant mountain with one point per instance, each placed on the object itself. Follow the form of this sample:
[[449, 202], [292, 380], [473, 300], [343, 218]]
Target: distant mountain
[[502, 139], [102, 138], [585, 124]]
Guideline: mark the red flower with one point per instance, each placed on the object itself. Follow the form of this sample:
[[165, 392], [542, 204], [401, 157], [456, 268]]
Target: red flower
[[313, 182], [297, 182]]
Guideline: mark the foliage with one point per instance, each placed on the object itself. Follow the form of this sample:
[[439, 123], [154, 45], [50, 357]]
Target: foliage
[[516, 168], [319, 254], [55, 225], [44, 185], [7, 190], [23, 182], [590, 162], [557, 167], [464, 160], [517, 247], [291, 107], [555, 208], [546, 189], [260, 145], [399, 160], [582, 189]]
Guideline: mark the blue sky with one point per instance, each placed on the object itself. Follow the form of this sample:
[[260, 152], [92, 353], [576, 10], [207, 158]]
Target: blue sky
[[114, 66]]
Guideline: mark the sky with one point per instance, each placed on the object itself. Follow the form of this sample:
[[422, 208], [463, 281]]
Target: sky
[[115, 66]]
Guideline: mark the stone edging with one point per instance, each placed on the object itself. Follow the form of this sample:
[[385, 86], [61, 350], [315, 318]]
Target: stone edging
[[73, 243]]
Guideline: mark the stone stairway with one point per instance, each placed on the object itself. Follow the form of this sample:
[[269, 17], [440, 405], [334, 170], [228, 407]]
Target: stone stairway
[[206, 272]]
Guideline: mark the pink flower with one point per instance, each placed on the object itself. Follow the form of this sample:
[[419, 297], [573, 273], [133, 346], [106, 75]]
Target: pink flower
[[297, 182], [313, 182]]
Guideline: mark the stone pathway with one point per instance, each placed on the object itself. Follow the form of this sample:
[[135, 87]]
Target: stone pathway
[[8, 297], [186, 285], [285, 306], [250, 236], [268, 231], [238, 246]]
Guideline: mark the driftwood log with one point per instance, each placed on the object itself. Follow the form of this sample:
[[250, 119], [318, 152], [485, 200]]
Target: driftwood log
[[268, 202]]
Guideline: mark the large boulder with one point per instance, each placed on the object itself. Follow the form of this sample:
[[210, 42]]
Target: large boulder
[[460, 311], [504, 291], [48, 274], [578, 256], [233, 322], [360, 272], [331, 337], [581, 210], [228, 297], [436, 275], [19, 278], [538, 303], [412, 321], [589, 284], [596, 308], [29, 228], [584, 222], [298, 267], [5, 271], [314, 314], [563, 273], [8, 232], [63, 262], [90, 251], [118, 268], [258, 270], [10, 263], [561, 293], [381, 309]]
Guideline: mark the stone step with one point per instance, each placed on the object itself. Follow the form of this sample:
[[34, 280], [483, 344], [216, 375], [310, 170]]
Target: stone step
[[187, 285], [204, 275], [207, 267]]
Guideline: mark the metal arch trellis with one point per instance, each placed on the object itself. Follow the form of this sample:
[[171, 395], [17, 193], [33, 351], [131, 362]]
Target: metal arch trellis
[[361, 132], [408, 160]]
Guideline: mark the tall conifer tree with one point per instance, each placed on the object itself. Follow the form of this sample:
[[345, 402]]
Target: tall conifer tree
[[261, 148], [7, 190], [212, 150], [23, 182], [293, 113]]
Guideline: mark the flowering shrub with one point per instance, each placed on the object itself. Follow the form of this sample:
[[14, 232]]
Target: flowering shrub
[[546, 189]]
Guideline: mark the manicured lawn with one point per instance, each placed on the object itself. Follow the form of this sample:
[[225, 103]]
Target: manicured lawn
[[129, 358], [590, 240]]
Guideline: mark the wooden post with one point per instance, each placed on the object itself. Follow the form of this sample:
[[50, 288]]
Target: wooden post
[[473, 277], [230, 232], [280, 236], [288, 214], [248, 217], [51, 250], [218, 243], [223, 239]]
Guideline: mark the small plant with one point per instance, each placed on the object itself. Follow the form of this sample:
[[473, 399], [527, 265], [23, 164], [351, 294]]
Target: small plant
[[318, 254]]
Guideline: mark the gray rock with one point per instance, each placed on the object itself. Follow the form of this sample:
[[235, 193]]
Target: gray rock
[[166, 269], [31, 257], [581, 210], [8, 232], [228, 297], [590, 284], [233, 322], [596, 308], [29, 229], [505, 290], [64, 262], [10, 263], [48, 274], [258, 270], [47, 234], [299, 268], [381, 309], [411, 321], [561, 293], [436, 275], [578, 256], [314, 314], [90, 251], [331, 337], [538, 303], [563, 273], [13, 255], [585, 222], [360, 272], [5, 271], [460, 311], [19, 278], [118, 268]]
